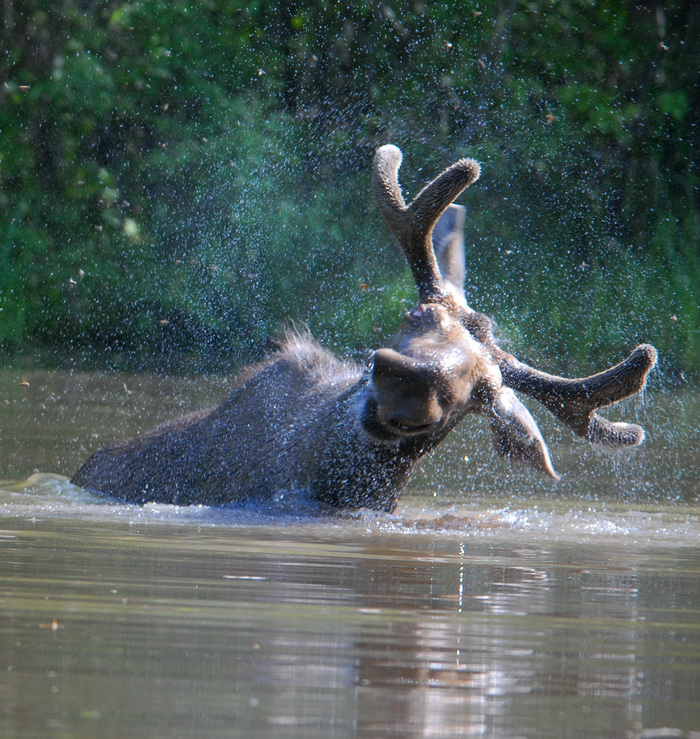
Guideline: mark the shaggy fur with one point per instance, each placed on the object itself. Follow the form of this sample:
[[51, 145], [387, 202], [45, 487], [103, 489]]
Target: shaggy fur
[[294, 423]]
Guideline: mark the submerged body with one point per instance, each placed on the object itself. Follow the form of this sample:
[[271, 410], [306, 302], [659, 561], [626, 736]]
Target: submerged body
[[295, 423]]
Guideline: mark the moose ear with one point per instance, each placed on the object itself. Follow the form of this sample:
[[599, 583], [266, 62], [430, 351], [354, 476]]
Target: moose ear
[[448, 245], [515, 432]]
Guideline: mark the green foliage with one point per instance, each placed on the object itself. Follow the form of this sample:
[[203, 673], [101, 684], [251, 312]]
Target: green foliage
[[188, 176]]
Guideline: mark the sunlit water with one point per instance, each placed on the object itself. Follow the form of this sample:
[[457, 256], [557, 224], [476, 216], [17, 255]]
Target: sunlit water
[[492, 603]]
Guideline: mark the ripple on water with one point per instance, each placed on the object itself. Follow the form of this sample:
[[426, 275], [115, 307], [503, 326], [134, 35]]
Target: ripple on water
[[45, 495]]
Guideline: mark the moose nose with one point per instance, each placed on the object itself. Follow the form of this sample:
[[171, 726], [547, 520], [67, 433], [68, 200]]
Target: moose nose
[[406, 393]]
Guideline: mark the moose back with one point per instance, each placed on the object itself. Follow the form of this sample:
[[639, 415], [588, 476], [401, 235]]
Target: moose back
[[350, 436]]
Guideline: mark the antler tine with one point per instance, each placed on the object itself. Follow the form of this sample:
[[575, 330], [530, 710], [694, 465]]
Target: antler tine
[[413, 224], [575, 401]]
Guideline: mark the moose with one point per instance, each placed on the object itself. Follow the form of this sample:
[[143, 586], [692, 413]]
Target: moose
[[345, 436]]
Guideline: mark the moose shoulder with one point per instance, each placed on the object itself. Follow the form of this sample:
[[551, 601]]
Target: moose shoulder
[[350, 436]]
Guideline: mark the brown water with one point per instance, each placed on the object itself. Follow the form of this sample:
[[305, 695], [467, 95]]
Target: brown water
[[494, 603]]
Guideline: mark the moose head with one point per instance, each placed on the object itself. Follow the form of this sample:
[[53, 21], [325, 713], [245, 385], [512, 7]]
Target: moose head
[[444, 361]]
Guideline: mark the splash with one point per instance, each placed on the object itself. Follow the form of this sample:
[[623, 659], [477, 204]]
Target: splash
[[48, 496]]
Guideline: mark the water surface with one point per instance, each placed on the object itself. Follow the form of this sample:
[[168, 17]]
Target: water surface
[[493, 603]]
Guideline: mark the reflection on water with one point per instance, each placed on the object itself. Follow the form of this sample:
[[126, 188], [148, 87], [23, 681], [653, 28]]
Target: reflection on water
[[340, 630], [504, 606]]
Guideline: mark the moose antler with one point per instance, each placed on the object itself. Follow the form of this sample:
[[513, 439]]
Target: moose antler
[[412, 224], [574, 401]]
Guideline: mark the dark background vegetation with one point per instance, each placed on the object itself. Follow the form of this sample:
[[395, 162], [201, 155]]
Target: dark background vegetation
[[182, 177]]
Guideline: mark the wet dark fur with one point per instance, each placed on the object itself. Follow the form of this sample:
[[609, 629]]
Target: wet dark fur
[[295, 423]]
